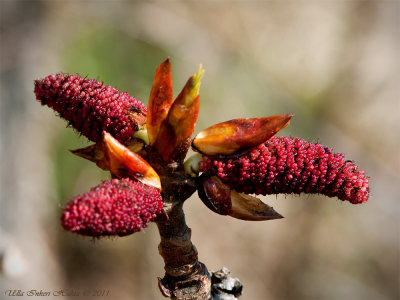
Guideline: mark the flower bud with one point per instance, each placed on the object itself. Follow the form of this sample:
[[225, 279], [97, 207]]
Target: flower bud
[[218, 197], [289, 165], [215, 194], [115, 207], [237, 135], [91, 107]]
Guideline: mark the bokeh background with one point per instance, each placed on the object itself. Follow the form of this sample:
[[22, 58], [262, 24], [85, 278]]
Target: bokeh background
[[334, 64]]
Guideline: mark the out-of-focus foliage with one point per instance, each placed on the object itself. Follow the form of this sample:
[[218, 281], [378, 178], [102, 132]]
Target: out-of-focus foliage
[[331, 63]]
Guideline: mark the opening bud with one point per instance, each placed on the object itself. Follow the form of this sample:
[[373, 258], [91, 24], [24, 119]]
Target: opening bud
[[238, 134], [175, 133]]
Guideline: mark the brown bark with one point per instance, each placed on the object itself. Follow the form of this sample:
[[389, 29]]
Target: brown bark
[[185, 277]]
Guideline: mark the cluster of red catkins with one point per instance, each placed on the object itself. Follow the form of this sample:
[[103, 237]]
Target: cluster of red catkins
[[124, 206]]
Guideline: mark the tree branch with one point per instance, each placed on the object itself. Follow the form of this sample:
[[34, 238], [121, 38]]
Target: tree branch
[[185, 277]]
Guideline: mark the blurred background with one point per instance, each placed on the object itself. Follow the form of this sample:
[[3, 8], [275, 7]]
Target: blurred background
[[334, 64]]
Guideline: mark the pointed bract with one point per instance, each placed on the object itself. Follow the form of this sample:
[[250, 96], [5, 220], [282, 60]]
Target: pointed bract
[[175, 133], [94, 153], [124, 163], [249, 208], [160, 100], [239, 134]]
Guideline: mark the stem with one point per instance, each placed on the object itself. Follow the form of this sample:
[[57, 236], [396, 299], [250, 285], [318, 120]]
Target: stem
[[180, 255], [185, 277]]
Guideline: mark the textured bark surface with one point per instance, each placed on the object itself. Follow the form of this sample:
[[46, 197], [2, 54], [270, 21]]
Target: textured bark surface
[[185, 277]]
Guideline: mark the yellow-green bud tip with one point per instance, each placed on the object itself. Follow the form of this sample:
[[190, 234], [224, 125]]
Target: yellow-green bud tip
[[142, 134], [191, 165], [196, 81]]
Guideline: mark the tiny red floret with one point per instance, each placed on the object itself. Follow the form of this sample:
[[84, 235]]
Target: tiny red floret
[[115, 207], [290, 165], [90, 106]]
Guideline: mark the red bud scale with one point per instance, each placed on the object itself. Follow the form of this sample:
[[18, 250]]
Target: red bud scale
[[91, 107], [290, 165]]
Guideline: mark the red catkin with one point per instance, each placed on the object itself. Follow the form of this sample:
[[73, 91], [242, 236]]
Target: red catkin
[[115, 207], [290, 165], [90, 106]]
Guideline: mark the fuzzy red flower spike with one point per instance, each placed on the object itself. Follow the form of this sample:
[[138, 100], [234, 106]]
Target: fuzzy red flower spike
[[91, 107], [115, 207], [288, 165]]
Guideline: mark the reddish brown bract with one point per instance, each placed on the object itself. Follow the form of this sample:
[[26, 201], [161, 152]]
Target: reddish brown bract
[[91, 107], [115, 207], [124, 163], [239, 134], [160, 100], [290, 165]]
